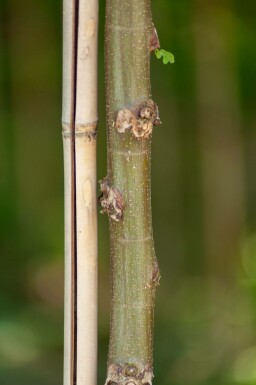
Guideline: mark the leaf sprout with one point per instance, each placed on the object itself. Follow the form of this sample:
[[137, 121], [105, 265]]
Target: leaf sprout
[[167, 57]]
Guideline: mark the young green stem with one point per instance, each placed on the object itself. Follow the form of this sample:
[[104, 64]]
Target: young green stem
[[134, 267]]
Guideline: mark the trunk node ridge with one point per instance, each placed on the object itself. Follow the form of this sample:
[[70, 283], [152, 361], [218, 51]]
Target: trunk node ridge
[[139, 119], [129, 374], [111, 201]]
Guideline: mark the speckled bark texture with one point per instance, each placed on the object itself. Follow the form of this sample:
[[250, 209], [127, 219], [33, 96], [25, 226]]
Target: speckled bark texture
[[134, 268]]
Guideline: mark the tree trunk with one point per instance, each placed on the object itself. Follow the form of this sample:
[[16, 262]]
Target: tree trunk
[[79, 120], [126, 198]]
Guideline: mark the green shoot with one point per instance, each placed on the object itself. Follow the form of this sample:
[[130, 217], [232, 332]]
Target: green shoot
[[168, 57]]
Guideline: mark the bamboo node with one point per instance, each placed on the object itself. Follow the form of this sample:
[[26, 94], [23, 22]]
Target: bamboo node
[[140, 119], [111, 201], [131, 370], [129, 374], [87, 130]]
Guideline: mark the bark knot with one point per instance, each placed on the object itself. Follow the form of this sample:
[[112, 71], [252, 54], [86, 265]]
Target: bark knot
[[131, 373], [154, 280], [139, 119], [111, 200], [156, 275], [154, 40], [125, 120]]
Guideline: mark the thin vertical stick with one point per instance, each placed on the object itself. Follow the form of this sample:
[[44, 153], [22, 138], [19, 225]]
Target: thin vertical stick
[[79, 122]]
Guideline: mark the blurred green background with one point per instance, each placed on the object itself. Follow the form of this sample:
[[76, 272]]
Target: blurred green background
[[203, 193]]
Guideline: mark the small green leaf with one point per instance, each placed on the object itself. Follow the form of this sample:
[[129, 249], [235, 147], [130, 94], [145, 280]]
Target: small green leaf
[[168, 57], [158, 53]]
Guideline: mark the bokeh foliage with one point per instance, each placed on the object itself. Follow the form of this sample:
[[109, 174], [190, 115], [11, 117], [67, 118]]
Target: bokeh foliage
[[203, 193]]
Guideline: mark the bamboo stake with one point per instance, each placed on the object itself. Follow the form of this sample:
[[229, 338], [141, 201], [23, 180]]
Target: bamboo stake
[[126, 190], [79, 122]]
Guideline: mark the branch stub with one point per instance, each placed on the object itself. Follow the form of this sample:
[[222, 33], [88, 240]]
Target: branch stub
[[111, 201]]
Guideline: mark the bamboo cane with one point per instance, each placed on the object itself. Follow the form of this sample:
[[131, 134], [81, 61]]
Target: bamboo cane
[[126, 198], [79, 122]]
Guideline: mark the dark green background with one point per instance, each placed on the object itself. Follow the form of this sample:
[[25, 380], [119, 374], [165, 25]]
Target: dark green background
[[203, 194]]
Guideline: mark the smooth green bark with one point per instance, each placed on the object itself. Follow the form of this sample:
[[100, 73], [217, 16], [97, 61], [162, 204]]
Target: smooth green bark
[[133, 263]]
